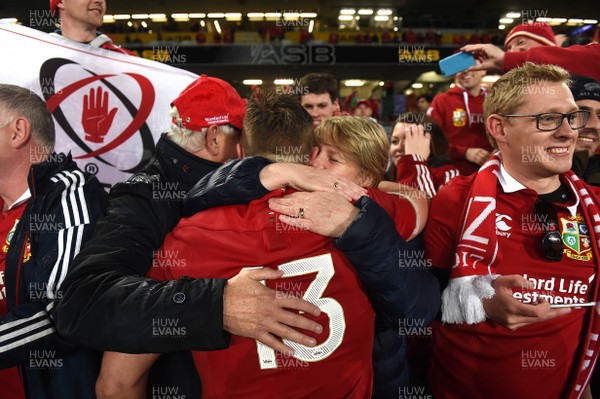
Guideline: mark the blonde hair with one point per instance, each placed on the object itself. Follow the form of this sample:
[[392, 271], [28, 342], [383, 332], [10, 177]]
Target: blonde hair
[[191, 140], [507, 94], [360, 139]]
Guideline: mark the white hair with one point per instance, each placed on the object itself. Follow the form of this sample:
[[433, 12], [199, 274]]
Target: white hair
[[191, 140]]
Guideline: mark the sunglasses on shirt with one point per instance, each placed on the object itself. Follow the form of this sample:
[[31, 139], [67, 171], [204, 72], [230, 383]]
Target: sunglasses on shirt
[[552, 243]]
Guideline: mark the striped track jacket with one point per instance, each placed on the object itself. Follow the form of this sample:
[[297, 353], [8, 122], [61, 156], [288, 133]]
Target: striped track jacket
[[60, 216]]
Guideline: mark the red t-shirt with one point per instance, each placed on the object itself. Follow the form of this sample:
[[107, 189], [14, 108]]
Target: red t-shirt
[[220, 242], [487, 360], [10, 381]]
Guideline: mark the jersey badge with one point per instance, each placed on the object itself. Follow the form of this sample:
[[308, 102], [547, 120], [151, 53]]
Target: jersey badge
[[576, 238]]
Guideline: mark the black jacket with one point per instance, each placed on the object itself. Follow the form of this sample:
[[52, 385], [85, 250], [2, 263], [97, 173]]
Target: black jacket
[[371, 242], [586, 167], [60, 216], [107, 303]]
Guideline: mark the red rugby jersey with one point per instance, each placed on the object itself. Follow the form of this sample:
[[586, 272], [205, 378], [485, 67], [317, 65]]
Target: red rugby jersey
[[219, 242], [486, 359], [413, 171]]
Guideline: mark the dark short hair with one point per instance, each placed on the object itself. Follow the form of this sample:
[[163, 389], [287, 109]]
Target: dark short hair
[[17, 101], [319, 83], [428, 97], [277, 124]]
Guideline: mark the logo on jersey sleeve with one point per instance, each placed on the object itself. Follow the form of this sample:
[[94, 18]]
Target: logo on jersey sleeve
[[27, 252], [576, 238], [459, 117], [9, 237]]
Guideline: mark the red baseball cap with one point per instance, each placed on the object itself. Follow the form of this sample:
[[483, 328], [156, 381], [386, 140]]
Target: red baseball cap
[[541, 32], [209, 101], [363, 101], [54, 5]]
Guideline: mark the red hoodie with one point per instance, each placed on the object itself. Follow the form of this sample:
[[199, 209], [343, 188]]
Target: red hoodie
[[461, 117]]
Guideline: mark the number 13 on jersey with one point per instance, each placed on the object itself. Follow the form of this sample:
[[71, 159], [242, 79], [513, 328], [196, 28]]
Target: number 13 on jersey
[[323, 266]]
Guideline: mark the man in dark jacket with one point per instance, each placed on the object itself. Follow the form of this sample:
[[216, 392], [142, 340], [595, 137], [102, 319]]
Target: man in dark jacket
[[54, 207], [586, 163]]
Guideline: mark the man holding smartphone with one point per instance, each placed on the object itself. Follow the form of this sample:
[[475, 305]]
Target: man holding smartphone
[[521, 239], [459, 112]]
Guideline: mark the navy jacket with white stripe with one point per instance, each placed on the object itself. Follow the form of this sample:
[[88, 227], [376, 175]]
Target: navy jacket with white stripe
[[64, 206]]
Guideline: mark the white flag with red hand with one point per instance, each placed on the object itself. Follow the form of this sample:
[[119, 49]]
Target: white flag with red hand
[[109, 108]]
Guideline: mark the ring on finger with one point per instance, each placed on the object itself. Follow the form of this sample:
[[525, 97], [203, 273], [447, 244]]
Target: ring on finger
[[301, 213], [336, 185]]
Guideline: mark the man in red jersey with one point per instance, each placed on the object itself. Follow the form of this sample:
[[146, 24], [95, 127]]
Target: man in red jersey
[[459, 112], [340, 364], [518, 243]]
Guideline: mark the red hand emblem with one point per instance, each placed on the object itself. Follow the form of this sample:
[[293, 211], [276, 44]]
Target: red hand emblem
[[95, 118]]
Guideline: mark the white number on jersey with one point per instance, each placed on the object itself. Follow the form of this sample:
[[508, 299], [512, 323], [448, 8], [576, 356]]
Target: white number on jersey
[[323, 266]]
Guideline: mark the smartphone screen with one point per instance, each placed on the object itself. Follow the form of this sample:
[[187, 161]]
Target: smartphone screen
[[572, 305]]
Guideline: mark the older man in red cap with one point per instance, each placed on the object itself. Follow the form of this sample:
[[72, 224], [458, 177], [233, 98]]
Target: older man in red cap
[[540, 49], [80, 21], [219, 119], [206, 128]]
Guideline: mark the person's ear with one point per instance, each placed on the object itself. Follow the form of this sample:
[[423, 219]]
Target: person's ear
[[239, 148], [313, 155], [20, 132], [336, 105], [212, 140], [366, 180], [496, 126]]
